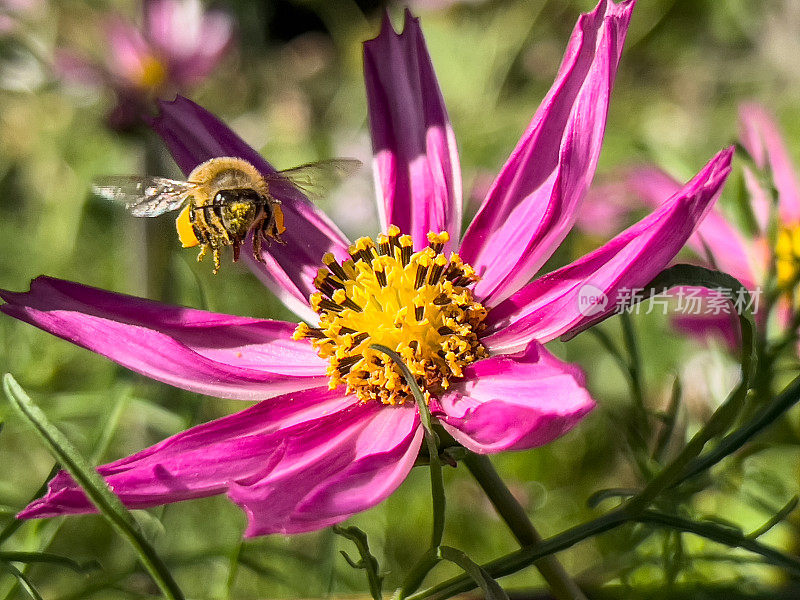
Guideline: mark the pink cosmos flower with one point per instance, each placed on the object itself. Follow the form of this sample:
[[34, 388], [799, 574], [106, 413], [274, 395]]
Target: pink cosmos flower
[[178, 46], [719, 243], [335, 431]]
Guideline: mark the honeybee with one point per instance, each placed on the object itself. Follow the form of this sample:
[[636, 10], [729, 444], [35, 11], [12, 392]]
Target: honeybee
[[222, 200]]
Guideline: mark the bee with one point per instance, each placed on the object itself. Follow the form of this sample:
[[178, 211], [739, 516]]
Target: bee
[[222, 200]]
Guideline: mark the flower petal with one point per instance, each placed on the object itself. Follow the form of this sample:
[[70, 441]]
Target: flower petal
[[515, 402], [417, 174], [533, 202], [190, 38], [194, 135], [551, 306], [331, 470], [202, 461], [762, 139], [209, 353], [730, 251]]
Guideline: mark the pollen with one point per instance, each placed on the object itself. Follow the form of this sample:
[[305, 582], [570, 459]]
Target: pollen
[[787, 259], [419, 304], [152, 73]]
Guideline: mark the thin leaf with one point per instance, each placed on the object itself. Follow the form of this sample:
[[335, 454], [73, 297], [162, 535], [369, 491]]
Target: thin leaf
[[46, 557], [23, 580], [368, 562], [775, 519], [94, 486], [490, 587]]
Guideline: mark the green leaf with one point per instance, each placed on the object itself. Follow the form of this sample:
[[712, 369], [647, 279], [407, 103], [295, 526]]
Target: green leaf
[[46, 557], [94, 486], [490, 587], [368, 562], [23, 580]]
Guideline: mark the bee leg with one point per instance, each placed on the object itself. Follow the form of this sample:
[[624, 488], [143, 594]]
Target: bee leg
[[235, 246], [203, 252], [216, 254]]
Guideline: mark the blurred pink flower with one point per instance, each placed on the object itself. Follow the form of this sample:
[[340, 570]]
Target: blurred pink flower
[[719, 243], [178, 46], [335, 430]]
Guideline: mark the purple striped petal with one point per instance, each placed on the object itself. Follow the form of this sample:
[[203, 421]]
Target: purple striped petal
[[762, 139], [534, 200], [194, 135], [417, 174], [551, 306], [202, 461], [208, 353], [332, 469], [729, 251], [515, 402]]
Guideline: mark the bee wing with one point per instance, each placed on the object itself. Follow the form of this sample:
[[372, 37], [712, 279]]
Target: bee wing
[[316, 179], [143, 196]]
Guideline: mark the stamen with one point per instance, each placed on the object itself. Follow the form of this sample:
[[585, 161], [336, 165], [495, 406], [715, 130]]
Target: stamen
[[413, 303]]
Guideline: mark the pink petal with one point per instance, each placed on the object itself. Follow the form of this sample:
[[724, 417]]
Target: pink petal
[[128, 51], [208, 353], [551, 306], [730, 251], [331, 470], [202, 461], [418, 178], [605, 209], [194, 135], [724, 326], [515, 402], [534, 200], [192, 40], [762, 139]]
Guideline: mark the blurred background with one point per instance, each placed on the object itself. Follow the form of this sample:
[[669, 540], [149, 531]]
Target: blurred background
[[286, 76]]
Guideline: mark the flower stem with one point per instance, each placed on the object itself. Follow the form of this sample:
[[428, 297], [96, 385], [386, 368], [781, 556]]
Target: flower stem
[[432, 440], [514, 515]]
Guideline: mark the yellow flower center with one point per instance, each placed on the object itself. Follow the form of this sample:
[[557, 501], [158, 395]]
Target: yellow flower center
[[787, 259], [152, 73], [418, 304]]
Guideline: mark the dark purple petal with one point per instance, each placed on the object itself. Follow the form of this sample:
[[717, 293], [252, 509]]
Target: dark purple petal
[[332, 469], [210, 353], [555, 304], [515, 402], [534, 200], [202, 461], [418, 178], [194, 135]]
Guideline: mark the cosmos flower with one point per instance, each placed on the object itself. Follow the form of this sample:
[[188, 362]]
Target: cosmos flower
[[719, 242], [178, 46], [335, 430]]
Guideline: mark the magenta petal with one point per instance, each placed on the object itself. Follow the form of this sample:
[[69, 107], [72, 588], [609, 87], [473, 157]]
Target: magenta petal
[[551, 305], [762, 139], [194, 135], [418, 178], [209, 353], [515, 402], [534, 200], [332, 469], [202, 461], [729, 250]]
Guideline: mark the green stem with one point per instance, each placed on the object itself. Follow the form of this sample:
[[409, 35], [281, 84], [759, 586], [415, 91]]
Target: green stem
[[514, 515], [432, 440], [739, 437], [520, 559]]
